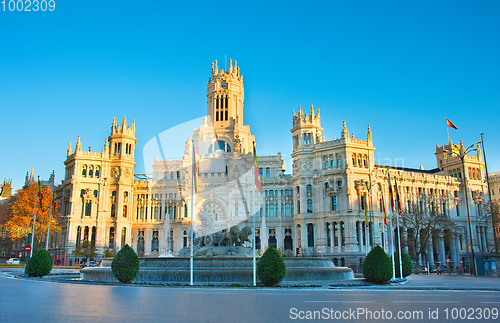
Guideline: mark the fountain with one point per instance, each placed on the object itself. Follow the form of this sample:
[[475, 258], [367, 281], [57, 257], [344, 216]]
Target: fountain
[[221, 257]]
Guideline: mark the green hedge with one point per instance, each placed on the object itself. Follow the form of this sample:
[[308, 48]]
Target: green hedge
[[125, 265], [377, 267], [39, 265], [407, 264], [271, 268]]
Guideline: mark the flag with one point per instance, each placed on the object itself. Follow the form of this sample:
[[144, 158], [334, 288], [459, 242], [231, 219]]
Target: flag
[[194, 168], [398, 201], [450, 124], [366, 213], [258, 182], [391, 196], [40, 195], [216, 137], [383, 209]]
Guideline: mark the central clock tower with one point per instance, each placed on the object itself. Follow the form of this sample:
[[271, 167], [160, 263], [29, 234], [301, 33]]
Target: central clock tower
[[225, 95]]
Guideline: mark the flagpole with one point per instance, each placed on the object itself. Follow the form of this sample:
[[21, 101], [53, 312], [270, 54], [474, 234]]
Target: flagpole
[[448, 131], [391, 242], [50, 216], [191, 280], [399, 235], [34, 219]]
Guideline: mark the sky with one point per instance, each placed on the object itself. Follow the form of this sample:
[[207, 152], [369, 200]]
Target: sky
[[400, 66]]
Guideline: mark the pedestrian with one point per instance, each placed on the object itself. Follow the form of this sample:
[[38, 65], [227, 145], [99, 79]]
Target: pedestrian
[[70, 261]]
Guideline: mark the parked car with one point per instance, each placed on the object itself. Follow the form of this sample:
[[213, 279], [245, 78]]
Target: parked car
[[13, 261]]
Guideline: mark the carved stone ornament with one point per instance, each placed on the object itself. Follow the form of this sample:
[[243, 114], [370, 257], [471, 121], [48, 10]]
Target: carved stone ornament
[[127, 172], [306, 165], [115, 172], [210, 212]]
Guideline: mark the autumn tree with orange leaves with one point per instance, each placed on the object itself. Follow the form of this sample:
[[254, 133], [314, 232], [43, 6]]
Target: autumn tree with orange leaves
[[17, 215]]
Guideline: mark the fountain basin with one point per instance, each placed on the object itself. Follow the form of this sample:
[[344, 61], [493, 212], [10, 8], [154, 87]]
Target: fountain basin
[[221, 270]]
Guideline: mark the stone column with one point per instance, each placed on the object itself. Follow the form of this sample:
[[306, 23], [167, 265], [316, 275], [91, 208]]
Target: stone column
[[442, 254], [359, 232], [321, 231], [147, 241], [303, 234], [454, 252], [430, 251]]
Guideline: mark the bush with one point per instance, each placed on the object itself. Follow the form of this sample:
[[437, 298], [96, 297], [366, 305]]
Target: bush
[[407, 264], [271, 267], [377, 267], [125, 265], [39, 265]]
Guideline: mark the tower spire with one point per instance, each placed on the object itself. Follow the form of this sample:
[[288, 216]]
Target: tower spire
[[78, 145]]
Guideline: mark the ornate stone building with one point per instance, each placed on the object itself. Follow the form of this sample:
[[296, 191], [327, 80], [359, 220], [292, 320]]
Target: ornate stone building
[[318, 209]]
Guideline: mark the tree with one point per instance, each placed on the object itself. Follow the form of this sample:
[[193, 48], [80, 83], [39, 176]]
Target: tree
[[85, 249], [486, 218], [125, 265], [407, 264], [377, 266], [271, 267], [420, 225], [17, 215], [39, 265]]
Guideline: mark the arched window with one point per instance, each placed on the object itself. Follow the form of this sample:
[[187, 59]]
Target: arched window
[[326, 163], [124, 237], [111, 238], [97, 172], [309, 187], [219, 146], [309, 206], [91, 172], [261, 173], [78, 235], [124, 211], [86, 234], [310, 235], [327, 185], [84, 171], [92, 237], [339, 162], [271, 210], [268, 172]]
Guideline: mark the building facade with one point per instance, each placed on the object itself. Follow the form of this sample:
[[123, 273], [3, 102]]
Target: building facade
[[331, 205]]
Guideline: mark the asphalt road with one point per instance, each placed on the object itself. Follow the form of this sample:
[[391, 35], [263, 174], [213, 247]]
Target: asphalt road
[[38, 301]]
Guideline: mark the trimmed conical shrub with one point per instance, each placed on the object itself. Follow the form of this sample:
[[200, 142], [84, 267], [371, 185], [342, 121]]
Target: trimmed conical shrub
[[39, 265], [271, 267], [377, 267], [125, 265], [407, 264]]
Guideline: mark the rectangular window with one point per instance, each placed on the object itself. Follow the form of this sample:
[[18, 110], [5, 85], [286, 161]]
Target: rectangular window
[[88, 208], [334, 203]]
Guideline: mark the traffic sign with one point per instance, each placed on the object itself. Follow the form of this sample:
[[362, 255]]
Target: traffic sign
[[27, 248], [447, 260]]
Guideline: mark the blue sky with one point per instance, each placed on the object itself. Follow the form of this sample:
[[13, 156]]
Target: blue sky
[[400, 66]]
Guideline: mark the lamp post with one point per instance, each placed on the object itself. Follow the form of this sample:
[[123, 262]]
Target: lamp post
[[489, 197], [461, 155]]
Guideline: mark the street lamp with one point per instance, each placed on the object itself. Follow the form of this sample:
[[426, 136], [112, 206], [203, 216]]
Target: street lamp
[[462, 153]]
